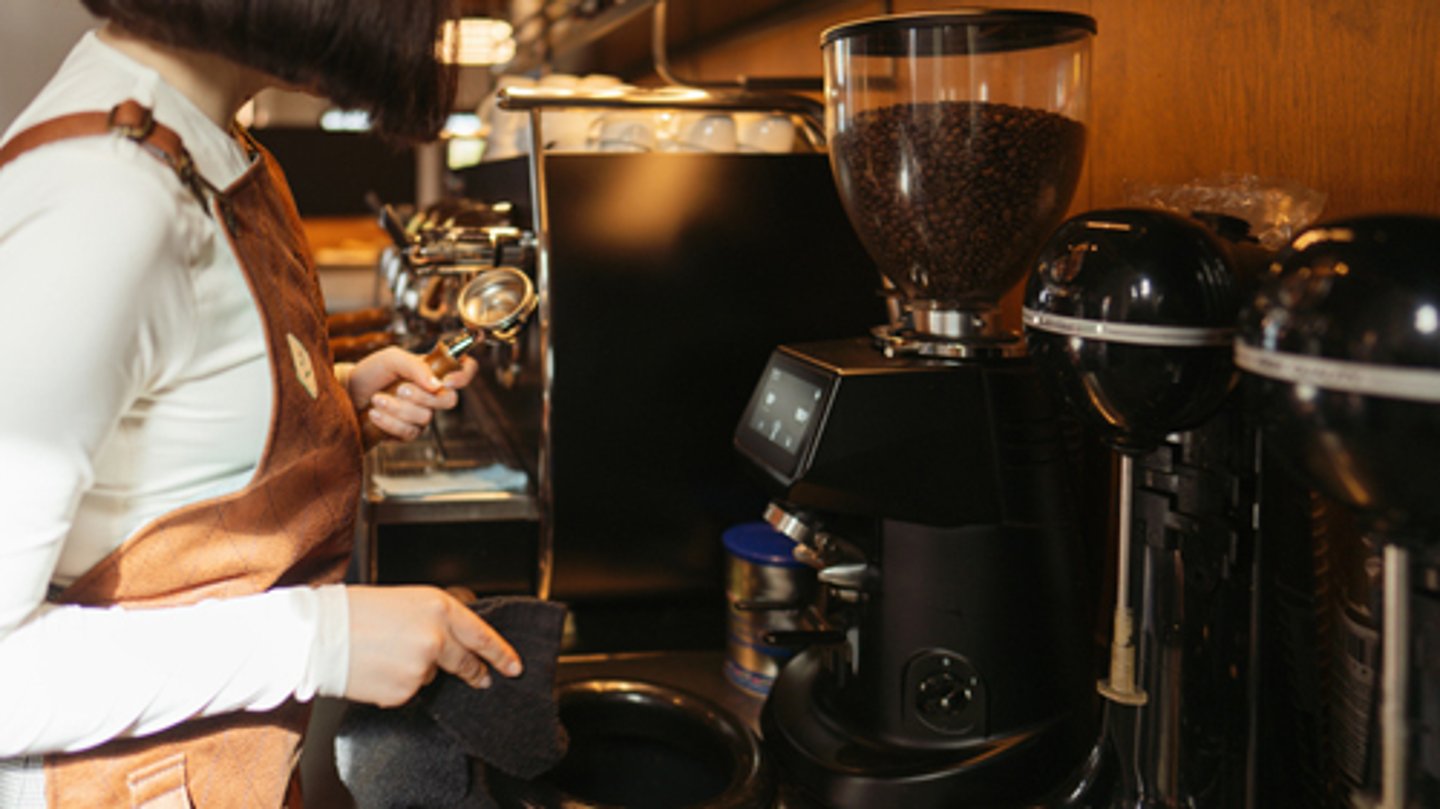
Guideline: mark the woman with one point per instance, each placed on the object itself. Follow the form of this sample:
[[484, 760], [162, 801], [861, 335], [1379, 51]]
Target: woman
[[179, 465]]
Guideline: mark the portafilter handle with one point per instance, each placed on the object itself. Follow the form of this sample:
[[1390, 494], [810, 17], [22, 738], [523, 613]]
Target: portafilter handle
[[443, 359], [494, 306]]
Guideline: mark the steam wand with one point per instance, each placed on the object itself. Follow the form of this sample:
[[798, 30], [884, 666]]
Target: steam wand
[[1120, 687]]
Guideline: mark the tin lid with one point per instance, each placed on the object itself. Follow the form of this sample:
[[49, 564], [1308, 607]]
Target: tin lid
[[758, 543]]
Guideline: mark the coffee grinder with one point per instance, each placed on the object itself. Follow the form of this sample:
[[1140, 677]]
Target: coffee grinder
[[922, 468], [1341, 346], [1132, 312]]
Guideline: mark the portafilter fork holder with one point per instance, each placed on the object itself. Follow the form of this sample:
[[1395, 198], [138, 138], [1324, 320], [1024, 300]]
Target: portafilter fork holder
[[1343, 343]]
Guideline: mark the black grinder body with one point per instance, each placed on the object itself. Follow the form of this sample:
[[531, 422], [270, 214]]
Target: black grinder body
[[967, 672]]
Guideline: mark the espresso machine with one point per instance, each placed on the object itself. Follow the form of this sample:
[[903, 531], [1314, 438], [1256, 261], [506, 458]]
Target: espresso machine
[[923, 468], [1340, 348], [437, 251]]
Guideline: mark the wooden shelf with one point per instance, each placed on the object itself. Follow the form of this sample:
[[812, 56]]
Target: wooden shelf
[[579, 33]]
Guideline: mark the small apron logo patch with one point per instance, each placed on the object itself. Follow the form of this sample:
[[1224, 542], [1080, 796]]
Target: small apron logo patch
[[304, 369]]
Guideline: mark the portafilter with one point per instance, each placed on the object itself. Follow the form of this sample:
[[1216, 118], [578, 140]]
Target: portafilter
[[494, 306]]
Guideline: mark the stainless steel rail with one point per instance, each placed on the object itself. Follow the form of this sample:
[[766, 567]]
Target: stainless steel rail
[[808, 111]]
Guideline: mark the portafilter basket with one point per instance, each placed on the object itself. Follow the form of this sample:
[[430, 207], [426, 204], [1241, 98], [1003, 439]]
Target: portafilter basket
[[497, 303]]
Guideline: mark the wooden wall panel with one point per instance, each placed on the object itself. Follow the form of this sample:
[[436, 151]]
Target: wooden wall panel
[[1342, 96], [1339, 95], [791, 48]]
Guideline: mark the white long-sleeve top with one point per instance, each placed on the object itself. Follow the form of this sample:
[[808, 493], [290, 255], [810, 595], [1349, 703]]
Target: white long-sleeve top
[[138, 382]]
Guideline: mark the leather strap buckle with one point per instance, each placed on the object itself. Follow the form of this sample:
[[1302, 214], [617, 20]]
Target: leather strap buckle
[[132, 121]]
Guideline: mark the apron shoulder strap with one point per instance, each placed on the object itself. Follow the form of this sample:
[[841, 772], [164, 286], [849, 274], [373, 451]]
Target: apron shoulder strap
[[130, 119]]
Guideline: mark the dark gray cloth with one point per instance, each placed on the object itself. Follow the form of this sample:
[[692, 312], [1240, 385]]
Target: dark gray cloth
[[399, 759], [514, 725], [432, 751]]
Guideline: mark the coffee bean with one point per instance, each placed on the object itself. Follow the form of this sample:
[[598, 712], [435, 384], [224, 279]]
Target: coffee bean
[[954, 198]]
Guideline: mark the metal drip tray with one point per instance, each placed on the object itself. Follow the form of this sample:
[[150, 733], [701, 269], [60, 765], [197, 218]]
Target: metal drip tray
[[466, 471], [462, 459]]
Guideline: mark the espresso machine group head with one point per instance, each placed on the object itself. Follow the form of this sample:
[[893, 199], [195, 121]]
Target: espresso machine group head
[[922, 468]]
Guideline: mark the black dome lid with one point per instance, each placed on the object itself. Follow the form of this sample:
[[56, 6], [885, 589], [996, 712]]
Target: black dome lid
[[1132, 311], [1364, 290], [1136, 266], [1342, 341]]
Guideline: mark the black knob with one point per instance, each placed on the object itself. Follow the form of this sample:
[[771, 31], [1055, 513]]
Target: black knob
[[944, 694]]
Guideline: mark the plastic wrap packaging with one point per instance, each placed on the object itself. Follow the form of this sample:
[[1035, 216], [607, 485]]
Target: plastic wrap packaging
[[1275, 209]]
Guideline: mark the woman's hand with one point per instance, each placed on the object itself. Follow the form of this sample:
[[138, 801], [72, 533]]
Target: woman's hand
[[400, 636], [405, 413]]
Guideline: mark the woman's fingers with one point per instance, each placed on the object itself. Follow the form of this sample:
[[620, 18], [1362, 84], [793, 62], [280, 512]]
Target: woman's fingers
[[473, 646], [407, 412], [396, 391], [464, 664], [478, 644], [393, 426], [413, 403], [400, 636]]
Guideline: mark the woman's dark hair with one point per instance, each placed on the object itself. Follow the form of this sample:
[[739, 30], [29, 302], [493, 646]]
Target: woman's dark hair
[[380, 56]]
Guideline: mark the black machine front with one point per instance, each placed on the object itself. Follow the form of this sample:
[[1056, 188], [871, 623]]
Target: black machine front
[[950, 661], [840, 426]]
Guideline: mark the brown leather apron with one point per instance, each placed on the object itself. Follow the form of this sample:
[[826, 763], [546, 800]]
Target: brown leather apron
[[292, 524]]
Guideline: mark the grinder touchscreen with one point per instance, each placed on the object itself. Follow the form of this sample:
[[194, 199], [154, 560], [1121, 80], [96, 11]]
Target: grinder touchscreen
[[784, 409]]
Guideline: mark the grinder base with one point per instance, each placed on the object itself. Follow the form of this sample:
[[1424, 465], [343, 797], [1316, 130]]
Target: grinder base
[[824, 761]]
